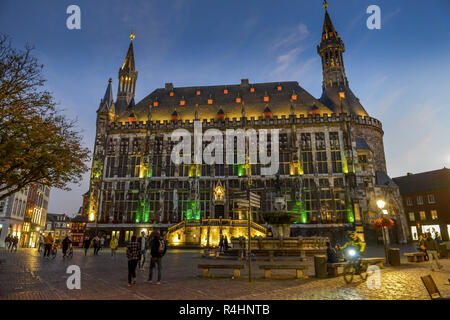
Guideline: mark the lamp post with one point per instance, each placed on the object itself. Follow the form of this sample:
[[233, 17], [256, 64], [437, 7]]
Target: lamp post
[[381, 204]]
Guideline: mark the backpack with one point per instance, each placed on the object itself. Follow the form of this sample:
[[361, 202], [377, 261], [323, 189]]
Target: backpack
[[161, 246]]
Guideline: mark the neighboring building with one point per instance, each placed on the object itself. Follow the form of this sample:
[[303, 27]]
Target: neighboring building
[[78, 229], [332, 166], [12, 212], [426, 199], [35, 214], [59, 225]]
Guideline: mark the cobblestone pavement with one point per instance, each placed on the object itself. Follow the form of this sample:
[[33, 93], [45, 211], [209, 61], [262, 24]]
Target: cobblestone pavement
[[26, 275]]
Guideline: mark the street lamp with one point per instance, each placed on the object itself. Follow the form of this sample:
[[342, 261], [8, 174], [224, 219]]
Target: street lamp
[[381, 204]]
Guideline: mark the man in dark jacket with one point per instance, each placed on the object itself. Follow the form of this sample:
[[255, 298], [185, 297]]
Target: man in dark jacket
[[65, 245], [158, 249], [432, 251], [331, 254]]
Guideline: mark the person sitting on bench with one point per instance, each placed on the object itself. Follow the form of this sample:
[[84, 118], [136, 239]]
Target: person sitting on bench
[[331, 254]]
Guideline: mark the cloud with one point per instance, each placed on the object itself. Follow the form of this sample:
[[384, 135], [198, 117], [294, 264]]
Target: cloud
[[291, 36], [285, 60]]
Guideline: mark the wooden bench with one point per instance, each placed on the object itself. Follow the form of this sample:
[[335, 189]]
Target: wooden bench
[[335, 269], [376, 261], [268, 268], [415, 256], [207, 267]]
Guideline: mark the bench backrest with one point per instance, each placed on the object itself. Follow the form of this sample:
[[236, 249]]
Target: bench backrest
[[431, 287]]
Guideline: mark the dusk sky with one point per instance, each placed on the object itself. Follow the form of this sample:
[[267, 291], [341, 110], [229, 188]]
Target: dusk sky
[[400, 73]]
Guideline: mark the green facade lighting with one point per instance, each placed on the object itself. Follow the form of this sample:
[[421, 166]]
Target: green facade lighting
[[241, 170]]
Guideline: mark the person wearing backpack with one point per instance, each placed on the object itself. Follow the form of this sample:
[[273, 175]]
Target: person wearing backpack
[[158, 249]]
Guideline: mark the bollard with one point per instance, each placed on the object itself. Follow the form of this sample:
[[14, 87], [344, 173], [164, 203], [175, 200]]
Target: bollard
[[320, 266], [394, 257]]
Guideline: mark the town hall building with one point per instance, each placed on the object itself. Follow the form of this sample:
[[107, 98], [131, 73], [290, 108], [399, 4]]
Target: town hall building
[[332, 167]]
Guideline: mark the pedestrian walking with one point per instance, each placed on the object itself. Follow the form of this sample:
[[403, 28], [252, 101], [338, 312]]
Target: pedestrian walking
[[133, 255], [15, 241], [432, 250], [96, 245], [8, 241], [41, 243], [48, 243], [221, 243], [102, 242], [143, 250], [65, 245], [113, 244], [421, 245], [86, 245], [158, 249]]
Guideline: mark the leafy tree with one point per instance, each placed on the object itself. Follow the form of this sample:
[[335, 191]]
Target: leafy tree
[[37, 143]]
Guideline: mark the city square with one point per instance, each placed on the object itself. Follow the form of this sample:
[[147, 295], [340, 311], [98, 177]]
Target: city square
[[26, 275]]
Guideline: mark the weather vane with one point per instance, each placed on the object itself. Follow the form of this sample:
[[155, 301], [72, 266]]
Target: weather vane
[[132, 36], [325, 4]]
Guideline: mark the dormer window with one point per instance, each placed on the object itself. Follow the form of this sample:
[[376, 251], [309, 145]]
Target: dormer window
[[198, 92], [225, 91], [182, 102], [210, 101], [294, 97], [279, 88], [266, 98], [155, 103], [252, 89], [175, 116], [131, 118], [238, 100], [221, 114], [171, 93]]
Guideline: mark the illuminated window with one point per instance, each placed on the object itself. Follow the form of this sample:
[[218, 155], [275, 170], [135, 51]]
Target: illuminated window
[[182, 102], [266, 99], [411, 216], [294, 97], [198, 92], [279, 88], [171, 93], [252, 89], [238, 100], [225, 91], [423, 216], [210, 101], [431, 198], [434, 215], [156, 103]]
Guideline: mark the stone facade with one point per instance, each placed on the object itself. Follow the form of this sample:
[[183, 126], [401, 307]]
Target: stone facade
[[330, 153]]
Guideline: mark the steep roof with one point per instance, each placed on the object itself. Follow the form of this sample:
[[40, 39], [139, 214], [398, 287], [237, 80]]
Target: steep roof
[[382, 179], [280, 101], [425, 181], [129, 59], [107, 102]]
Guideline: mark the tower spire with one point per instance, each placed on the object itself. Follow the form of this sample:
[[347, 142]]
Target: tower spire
[[336, 93], [127, 79], [330, 50], [108, 100]]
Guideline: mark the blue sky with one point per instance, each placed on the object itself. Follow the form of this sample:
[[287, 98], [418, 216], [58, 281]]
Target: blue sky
[[400, 73]]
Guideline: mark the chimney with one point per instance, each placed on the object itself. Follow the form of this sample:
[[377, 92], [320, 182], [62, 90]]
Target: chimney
[[169, 86], [244, 83]]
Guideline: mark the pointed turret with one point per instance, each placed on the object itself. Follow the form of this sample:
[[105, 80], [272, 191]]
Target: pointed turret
[[336, 93], [127, 80], [107, 103]]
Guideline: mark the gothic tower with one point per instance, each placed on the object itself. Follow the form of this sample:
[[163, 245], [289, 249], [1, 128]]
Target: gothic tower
[[127, 80], [336, 92]]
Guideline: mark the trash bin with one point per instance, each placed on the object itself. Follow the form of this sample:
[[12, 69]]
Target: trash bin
[[443, 250], [394, 257], [320, 266]]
